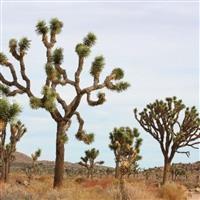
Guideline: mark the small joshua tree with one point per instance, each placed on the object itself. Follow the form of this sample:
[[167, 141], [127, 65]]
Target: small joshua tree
[[173, 125], [122, 141], [34, 168], [7, 151], [89, 161], [60, 111], [8, 113]]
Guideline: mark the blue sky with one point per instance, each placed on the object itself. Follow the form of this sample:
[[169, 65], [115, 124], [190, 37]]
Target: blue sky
[[156, 43]]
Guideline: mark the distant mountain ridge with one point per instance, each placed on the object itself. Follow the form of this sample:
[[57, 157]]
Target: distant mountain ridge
[[22, 158]]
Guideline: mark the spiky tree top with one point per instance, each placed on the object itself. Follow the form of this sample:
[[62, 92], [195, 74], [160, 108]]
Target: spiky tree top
[[122, 140], [125, 143], [56, 75], [8, 111], [89, 160], [17, 130], [172, 124], [36, 155]]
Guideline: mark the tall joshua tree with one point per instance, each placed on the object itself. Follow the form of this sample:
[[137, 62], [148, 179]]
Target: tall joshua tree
[[125, 143], [89, 161], [172, 125], [56, 75]]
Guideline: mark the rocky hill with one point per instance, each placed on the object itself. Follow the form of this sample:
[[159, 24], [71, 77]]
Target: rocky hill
[[22, 161]]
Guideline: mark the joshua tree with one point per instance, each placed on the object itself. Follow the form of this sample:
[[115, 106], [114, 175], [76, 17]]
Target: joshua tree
[[17, 131], [122, 140], [173, 125], [8, 112], [89, 161], [34, 166], [57, 76]]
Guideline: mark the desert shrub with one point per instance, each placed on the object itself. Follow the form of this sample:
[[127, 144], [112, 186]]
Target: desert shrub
[[174, 191], [52, 195], [80, 180], [134, 190], [13, 192]]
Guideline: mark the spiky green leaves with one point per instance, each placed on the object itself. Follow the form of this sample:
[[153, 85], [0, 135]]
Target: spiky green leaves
[[4, 90], [117, 73], [97, 66], [90, 39], [88, 160], [57, 57], [12, 45], [36, 155], [119, 87], [56, 25], [64, 138], [52, 73], [42, 28], [47, 102], [125, 144], [86, 138], [82, 50], [8, 111], [120, 137], [92, 154], [17, 130], [35, 103], [49, 98], [123, 138], [24, 44], [101, 98], [3, 59]]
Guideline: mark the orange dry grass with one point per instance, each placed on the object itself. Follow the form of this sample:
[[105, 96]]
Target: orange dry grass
[[77, 189], [174, 191]]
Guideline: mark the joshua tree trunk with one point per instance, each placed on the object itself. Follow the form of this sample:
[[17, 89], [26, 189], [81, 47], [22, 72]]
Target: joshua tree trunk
[[59, 164], [92, 172], [4, 171], [167, 163], [117, 169], [9, 167], [88, 173], [123, 192]]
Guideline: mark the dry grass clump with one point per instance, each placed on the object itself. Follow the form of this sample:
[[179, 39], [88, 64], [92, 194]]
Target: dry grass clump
[[174, 191], [41, 188], [13, 192], [137, 190]]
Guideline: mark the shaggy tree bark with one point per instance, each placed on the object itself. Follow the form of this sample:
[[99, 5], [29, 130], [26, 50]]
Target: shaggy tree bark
[[116, 169]]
